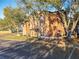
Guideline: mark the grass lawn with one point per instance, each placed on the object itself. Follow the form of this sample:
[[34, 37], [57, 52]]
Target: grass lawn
[[15, 38]]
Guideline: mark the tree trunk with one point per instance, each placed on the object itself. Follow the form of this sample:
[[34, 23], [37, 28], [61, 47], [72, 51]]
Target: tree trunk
[[17, 29], [74, 24], [24, 29]]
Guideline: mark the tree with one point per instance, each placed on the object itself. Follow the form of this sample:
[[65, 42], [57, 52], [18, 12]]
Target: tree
[[8, 17], [57, 4], [14, 16], [3, 24]]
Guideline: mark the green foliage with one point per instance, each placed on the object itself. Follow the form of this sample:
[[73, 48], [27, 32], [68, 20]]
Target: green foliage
[[14, 17], [40, 4], [56, 3], [2, 22]]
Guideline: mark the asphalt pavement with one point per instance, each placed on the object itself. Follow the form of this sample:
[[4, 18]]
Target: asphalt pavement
[[35, 50]]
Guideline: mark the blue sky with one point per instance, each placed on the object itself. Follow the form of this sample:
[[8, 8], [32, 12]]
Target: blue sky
[[5, 3]]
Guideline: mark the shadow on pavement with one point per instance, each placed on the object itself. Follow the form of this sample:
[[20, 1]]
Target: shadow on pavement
[[37, 50]]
